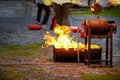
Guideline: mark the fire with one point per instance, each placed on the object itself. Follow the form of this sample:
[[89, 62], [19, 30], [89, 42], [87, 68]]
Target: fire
[[62, 39]]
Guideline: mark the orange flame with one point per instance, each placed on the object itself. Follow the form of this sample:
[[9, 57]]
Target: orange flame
[[63, 39]]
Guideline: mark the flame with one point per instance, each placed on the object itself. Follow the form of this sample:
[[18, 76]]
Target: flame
[[63, 39]]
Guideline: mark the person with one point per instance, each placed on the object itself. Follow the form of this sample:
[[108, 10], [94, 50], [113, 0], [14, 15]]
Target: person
[[41, 6], [90, 2], [61, 13], [61, 9]]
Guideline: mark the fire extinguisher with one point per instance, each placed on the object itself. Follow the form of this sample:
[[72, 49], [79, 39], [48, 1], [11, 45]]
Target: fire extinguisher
[[34, 27], [82, 33], [54, 23]]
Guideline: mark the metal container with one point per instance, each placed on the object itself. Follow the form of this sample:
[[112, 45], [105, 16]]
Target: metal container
[[71, 55], [97, 26]]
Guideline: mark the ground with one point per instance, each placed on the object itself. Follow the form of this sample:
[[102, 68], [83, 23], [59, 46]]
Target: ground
[[42, 67]]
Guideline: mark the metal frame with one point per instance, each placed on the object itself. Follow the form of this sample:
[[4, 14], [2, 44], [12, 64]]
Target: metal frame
[[109, 43]]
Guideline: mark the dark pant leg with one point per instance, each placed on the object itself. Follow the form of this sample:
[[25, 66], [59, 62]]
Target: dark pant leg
[[40, 7], [65, 12], [47, 13], [58, 14], [61, 14]]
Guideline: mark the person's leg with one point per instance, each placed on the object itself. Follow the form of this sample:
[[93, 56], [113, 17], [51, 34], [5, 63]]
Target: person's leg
[[58, 14], [40, 6], [65, 13], [88, 2], [47, 13]]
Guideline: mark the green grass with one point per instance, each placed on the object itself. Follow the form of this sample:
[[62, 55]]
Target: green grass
[[100, 77], [30, 49], [10, 74], [104, 12], [16, 73]]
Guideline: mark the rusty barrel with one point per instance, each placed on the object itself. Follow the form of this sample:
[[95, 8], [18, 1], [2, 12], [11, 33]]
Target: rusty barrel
[[100, 26], [71, 55], [97, 26]]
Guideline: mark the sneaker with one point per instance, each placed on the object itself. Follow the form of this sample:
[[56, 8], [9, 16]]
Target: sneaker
[[45, 27], [38, 22]]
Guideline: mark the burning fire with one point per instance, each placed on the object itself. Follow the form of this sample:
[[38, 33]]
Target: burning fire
[[62, 39]]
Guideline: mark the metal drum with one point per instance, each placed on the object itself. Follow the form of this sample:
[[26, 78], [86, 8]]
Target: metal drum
[[97, 26]]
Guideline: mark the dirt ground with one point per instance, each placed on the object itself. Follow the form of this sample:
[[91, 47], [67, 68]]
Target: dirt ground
[[42, 67]]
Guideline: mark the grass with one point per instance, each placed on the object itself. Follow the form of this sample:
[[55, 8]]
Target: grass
[[100, 77], [30, 49], [111, 74], [104, 12], [8, 72], [20, 72], [26, 73]]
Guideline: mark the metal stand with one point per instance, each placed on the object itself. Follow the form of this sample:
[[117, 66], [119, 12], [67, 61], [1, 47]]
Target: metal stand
[[108, 60]]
